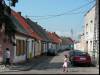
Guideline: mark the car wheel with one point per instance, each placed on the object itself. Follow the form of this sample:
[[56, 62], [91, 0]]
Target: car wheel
[[72, 63], [89, 65]]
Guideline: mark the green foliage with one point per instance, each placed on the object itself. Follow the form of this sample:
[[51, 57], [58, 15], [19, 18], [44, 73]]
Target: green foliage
[[5, 12], [13, 2], [10, 29], [30, 55]]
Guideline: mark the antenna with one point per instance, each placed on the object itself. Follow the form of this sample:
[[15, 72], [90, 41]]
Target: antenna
[[71, 33]]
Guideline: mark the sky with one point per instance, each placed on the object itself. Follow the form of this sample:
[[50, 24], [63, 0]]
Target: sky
[[62, 25]]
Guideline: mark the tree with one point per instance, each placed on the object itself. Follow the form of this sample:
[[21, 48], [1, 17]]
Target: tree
[[5, 20], [13, 2]]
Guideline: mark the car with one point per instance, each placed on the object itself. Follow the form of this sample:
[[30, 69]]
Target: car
[[52, 52], [79, 57], [67, 49]]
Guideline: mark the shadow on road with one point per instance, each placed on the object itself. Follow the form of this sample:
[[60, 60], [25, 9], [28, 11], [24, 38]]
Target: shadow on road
[[44, 63], [57, 65]]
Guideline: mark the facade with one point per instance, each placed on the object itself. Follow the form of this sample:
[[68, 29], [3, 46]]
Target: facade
[[21, 34], [26, 43], [77, 46], [41, 33], [82, 42], [30, 40], [32, 43], [4, 43], [80, 45], [89, 30], [67, 43], [55, 41]]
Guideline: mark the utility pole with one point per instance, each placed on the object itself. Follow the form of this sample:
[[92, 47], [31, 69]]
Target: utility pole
[[72, 33]]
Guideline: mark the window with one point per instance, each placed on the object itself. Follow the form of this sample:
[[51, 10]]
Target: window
[[86, 27], [86, 33], [91, 21], [20, 47]]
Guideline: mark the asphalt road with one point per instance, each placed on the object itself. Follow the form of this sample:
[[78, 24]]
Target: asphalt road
[[53, 65]]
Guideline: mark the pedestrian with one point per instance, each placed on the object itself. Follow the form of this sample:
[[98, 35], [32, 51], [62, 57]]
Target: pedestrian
[[7, 55], [65, 64]]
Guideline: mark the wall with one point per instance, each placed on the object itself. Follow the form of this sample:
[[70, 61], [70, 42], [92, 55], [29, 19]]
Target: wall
[[5, 43], [89, 30], [21, 57], [37, 48], [28, 46]]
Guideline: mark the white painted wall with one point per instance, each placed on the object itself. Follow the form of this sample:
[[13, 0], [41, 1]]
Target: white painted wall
[[90, 16], [50, 45], [31, 47], [22, 57], [78, 46]]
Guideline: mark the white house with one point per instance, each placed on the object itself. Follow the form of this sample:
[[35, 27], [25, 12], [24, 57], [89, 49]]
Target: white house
[[89, 23]]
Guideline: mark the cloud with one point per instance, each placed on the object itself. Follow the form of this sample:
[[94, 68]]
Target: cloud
[[60, 33], [67, 34]]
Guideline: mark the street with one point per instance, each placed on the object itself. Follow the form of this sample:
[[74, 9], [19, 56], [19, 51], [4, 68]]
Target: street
[[53, 65], [31, 31]]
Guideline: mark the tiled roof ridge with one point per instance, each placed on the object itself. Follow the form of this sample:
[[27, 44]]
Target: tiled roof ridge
[[25, 25]]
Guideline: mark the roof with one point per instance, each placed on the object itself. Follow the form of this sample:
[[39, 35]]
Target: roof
[[25, 25], [58, 36], [38, 29], [19, 27], [54, 38], [67, 41]]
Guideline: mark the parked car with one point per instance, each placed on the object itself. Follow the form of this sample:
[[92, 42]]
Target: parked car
[[67, 49], [52, 52], [79, 57]]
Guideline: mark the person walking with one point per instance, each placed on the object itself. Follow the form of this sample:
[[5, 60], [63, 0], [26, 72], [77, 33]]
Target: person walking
[[7, 55], [65, 64]]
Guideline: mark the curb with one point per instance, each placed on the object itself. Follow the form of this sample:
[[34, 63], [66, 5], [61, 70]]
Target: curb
[[22, 68]]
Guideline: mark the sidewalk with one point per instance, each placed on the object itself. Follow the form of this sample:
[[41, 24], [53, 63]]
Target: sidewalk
[[14, 68], [22, 67]]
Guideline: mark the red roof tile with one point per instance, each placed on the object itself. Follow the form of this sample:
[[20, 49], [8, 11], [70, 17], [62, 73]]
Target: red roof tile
[[67, 41], [54, 38], [25, 25]]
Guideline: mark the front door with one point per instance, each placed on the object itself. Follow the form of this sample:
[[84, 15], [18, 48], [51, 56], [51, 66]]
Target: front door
[[27, 50]]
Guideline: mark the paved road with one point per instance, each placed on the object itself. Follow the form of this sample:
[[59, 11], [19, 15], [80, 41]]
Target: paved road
[[53, 65]]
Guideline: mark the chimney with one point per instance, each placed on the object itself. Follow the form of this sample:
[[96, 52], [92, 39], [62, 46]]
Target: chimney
[[45, 29], [19, 13], [54, 32], [36, 22]]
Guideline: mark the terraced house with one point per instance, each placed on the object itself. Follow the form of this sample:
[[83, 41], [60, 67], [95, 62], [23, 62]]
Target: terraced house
[[41, 33], [56, 41], [23, 46], [31, 47], [30, 39]]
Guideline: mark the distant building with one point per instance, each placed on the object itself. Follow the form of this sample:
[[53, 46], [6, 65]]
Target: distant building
[[56, 41], [42, 33], [80, 45], [67, 43]]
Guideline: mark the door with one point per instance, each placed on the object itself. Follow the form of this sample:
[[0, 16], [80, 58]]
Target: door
[[27, 50]]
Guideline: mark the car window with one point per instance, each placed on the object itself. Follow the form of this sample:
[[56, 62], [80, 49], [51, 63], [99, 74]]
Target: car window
[[71, 53], [77, 53], [80, 53]]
